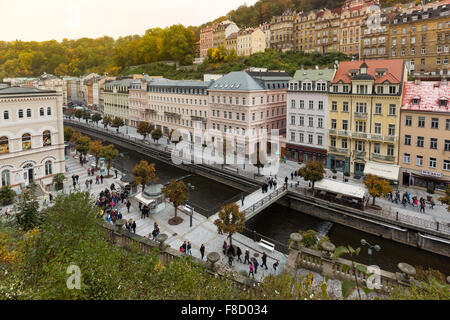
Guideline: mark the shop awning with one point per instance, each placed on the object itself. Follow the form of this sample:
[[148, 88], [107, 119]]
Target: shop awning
[[382, 170], [143, 200], [342, 188]]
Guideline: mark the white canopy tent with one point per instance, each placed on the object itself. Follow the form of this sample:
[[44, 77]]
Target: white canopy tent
[[343, 188], [382, 170], [143, 200]]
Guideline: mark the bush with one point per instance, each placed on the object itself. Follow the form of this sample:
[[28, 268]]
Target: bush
[[429, 274], [309, 238], [347, 174], [7, 196], [334, 171]]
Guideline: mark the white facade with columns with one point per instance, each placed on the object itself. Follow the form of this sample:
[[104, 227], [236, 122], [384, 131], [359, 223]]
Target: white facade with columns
[[31, 136]]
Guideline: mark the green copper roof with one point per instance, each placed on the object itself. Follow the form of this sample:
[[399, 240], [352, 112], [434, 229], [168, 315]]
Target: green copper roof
[[314, 74]]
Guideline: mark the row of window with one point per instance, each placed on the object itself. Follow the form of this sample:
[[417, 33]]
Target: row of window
[[360, 126], [178, 100], [421, 122], [181, 111], [21, 113], [432, 162], [237, 130], [301, 122], [420, 142], [308, 86], [360, 146], [301, 104], [361, 107], [224, 100], [26, 142], [301, 138], [6, 174]]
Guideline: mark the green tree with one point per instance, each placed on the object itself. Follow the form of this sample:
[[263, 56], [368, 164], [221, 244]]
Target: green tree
[[144, 173], [27, 211], [177, 193], [79, 114], [68, 132], [230, 220], [117, 123], [313, 171], [7, 195], [96, 117], [86, 116], [156, 134], [109, 153], [144, 129], [82, 145], [377, 187]]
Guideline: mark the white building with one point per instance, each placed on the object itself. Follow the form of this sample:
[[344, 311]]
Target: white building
[[31, 136], [307, 115]]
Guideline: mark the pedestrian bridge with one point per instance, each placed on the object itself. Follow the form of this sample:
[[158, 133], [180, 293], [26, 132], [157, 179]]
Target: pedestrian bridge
[[257, 201]]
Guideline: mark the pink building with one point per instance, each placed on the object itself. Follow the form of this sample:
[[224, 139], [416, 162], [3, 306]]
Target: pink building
[[245, 104], [206, 40]]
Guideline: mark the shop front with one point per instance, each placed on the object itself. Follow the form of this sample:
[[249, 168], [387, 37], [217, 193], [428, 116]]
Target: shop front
[[429, 180], [303, 154], [338, 163]]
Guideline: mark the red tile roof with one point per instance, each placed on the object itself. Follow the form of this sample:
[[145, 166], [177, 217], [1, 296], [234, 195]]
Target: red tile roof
[[429, 93], [393, 74]]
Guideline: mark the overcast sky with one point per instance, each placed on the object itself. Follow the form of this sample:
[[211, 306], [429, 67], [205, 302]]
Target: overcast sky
[[57, 19]]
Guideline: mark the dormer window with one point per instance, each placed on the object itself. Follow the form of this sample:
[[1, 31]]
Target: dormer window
[[443, 102], [363, 68], [415, 101]]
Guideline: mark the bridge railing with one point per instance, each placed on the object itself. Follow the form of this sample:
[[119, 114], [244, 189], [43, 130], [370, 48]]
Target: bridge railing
[[258, 204]]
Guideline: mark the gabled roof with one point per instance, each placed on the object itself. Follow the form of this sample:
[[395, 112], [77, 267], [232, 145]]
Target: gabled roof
[[394, 73], [429, 93], [237, 81]]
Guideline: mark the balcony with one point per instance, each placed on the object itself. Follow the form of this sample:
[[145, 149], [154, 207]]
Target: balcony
[[172, 115], [332, 131], [390, 138], [197, 118], [148, 110], [360, 155], [338, 150], [383, 158], [361, 115], [378, 137], [344, 133], [362, 135]]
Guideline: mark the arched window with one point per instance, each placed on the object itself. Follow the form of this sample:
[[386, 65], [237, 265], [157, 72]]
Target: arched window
[[41, 112], [26, 141], [47, 138], [4, 145], [28, 113], [6, 115], [48, 168], [49, 111], [5, 178]]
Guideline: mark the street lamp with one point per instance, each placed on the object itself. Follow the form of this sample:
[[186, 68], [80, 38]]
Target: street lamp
[[369, 250], [190, 187]]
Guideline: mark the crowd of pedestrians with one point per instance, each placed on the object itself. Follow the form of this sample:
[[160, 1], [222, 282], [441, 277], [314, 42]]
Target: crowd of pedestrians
[[408, 199]]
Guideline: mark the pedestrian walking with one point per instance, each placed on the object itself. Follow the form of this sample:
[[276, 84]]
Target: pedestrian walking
[[432, 204], [286, 180], [189, 247], [115, 171], [275, 265], [264, 260], [128, 206], [292, 176], [51, 197], [87, 183], [133, 226], [274, 184], [230, 258], [238, 253], [247, 257], [140, 206], [242, 199], [101, 178], [256, 264], [97, 178], [202, 250], [184, 247], [154, 234], [251, 270], [224, 247], [90, 183]]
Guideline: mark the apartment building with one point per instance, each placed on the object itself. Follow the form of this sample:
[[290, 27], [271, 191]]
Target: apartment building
[[305, 31], [282, 31], [375, 36], [364, 117], [244, 103], [422, 38], [425, 135], [265, 27], [50, 82], [250, 41], [31, 136], [231, 42], [222, 31], [327, 30], [206, 40], [116, 98], [307, 115], [73, 89]]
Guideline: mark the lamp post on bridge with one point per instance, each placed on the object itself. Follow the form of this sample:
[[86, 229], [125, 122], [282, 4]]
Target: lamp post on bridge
[[190, 187], [369, 250]]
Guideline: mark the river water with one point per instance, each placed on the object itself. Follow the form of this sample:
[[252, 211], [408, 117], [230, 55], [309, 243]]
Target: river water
[[278, 222]]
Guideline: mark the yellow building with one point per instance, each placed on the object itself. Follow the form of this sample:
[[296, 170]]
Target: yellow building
[[222, 31], [116, 99], [250, 41], [231, 42], [305, 34], [363, 113], [327, 30]]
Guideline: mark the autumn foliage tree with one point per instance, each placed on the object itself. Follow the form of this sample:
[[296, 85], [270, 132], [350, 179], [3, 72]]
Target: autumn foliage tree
[[177, 193], [95, 148], [156, 134], [144, 173], [144, 129], [313, 171], [117, 122], [230, 220], [377, 187], [446, 199], [106, 121], [82, 145], [68, 132]]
